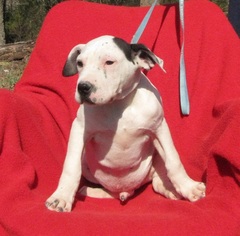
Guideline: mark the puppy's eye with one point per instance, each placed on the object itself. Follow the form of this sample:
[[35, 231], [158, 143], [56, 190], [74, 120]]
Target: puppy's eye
[[79, 64], [109, 63]]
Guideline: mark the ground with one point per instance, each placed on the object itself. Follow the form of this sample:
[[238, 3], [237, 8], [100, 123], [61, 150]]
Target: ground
[[13, 60], [10, 72]]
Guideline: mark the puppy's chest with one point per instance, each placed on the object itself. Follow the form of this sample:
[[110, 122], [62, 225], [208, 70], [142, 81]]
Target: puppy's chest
[[119, 143], [119, 138], [123, 123]]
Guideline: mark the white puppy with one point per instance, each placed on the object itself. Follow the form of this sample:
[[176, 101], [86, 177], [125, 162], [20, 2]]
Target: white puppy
[[120, 138]]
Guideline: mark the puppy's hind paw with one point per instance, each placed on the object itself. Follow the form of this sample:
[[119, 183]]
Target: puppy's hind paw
[[95, 192], [197, 192]]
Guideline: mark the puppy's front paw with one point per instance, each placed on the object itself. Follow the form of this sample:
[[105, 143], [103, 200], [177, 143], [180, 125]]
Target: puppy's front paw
[[193, 191], [58, 203]]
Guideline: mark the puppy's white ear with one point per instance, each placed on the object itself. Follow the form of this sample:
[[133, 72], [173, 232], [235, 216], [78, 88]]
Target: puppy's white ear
[[70, 67], [145, 58]]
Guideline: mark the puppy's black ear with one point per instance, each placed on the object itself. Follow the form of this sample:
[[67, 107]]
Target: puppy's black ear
[[70, 67], [145, 57]]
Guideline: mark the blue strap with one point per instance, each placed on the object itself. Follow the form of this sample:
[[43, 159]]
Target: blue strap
[[143, 24], [184, 100]]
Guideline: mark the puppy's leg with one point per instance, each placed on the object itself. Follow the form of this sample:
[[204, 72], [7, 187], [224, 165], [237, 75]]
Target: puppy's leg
[[62, 199], [95, 192], [184, 185], [103, 193], [160, 182]]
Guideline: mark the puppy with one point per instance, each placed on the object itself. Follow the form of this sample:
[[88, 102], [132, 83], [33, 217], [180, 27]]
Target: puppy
[[120, 138]]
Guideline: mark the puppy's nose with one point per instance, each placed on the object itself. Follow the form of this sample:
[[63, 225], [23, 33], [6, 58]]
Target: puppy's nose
[[85, 88]]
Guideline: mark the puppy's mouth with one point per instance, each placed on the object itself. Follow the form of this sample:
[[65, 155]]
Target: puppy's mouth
[[86, 99]]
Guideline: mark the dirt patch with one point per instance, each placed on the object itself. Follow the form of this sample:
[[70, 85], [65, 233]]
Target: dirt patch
[[13, 60], [11, 72]]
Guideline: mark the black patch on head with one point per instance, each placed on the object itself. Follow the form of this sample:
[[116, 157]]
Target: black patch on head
[[124, 46], [145, 52]]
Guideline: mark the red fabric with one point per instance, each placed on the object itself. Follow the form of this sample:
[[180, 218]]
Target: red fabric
[[35, 122]]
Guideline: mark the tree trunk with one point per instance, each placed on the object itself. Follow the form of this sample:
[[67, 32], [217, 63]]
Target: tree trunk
[[2, 32], [16, 51]]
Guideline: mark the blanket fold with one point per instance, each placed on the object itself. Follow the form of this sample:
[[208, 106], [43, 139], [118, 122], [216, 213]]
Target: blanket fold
[[36, 117]]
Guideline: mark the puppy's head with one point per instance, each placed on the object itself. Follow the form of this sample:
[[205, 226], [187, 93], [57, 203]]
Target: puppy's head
[[109, 68]]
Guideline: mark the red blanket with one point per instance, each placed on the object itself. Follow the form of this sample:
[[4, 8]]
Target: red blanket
[[35, 122]]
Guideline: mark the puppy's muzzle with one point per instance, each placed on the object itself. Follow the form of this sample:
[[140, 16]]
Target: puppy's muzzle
[[84, 90]]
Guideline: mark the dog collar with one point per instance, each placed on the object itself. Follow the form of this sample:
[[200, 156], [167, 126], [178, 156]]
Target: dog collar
[[184, 99]]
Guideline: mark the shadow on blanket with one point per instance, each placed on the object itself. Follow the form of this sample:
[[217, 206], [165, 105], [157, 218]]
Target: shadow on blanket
[[35, 121]]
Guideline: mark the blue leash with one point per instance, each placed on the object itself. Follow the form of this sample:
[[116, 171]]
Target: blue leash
[[143, 24], [184, 99]]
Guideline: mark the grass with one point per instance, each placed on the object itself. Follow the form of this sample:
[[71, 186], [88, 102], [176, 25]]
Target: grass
[[10, 73]]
